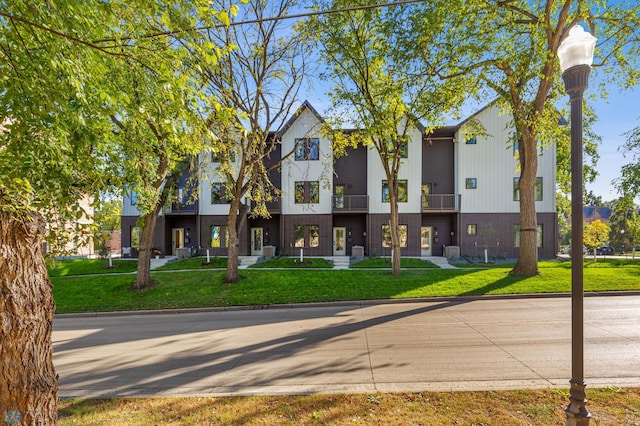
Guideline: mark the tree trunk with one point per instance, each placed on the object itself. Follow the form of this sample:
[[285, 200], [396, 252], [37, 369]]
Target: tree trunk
[[235, 221], [143, 274], [394, 227], [527, 264], [232, 249], [28, 382]]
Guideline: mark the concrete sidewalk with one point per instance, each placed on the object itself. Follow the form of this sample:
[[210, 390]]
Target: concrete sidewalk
[[454, 344]]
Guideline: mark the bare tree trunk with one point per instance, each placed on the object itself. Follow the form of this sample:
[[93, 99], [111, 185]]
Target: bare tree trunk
[[235, 221], [394, 226], [232, 251], [143, 274], [527, 264], [28, 382]]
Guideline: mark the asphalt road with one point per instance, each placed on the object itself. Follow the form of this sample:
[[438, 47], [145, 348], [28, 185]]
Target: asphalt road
[[447, 345]]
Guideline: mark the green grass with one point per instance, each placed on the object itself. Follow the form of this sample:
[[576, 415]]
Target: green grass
[[385, 262], [195, 263], [294, 262], [204, 288], [61, 268]]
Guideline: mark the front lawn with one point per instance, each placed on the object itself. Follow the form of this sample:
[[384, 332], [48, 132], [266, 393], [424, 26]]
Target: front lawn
[[294, 262], [205, 288], [385, 262], [61, 268]]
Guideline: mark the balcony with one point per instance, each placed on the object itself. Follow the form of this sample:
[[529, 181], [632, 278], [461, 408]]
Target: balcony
[[180, 208], [350, 203], [441, 203], [273, 207]]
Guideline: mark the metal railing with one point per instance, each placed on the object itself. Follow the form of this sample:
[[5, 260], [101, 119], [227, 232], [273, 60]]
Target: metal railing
[[441, 202], [350, 203]]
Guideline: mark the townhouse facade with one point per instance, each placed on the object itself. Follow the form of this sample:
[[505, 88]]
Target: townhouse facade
[[455, 189]]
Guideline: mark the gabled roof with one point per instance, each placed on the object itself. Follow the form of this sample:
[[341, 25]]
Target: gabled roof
[[294, 117]]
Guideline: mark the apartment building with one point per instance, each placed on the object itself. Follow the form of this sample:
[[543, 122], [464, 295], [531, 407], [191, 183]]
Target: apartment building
[[457, 189]]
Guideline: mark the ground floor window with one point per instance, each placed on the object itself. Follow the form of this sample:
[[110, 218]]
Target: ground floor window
[[516, 235], [306, 236], [135, 236], [219, 236], [386, 235]]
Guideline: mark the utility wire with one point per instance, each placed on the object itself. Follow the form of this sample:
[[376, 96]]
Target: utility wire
[[204, 28]]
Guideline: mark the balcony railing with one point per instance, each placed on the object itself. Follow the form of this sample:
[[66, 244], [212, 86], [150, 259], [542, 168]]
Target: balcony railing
[[180, 208], [350, 203], [273, 207], [441, 203]]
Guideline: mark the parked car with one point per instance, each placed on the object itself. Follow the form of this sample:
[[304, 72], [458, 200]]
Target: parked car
[[605, 250], [567, 250]]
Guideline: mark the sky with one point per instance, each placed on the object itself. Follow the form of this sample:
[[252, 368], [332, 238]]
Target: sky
[[617, 115]]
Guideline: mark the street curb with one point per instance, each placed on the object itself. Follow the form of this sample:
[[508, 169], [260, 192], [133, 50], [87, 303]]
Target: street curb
[[354, 303]]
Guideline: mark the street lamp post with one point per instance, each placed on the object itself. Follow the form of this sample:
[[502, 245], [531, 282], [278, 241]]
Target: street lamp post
[[576, 56]]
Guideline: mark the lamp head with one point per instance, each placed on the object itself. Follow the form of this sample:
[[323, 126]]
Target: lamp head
[[576, 49]]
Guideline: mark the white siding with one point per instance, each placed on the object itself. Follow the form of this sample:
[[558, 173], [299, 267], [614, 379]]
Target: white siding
[[210, 175], [492, 162], [127, 208], [306, 125], [410, 169]]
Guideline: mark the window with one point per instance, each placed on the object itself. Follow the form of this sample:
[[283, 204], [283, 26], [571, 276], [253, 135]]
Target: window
[[471, 140], [472, 229], [218, 195], [307, 192], [307, 149], [338, 199], [386, 235], [135, 236], [219, 236], [134, 198], [403, 191], [516, 235], [426, 191], [218, 157], [516, 189], [402, 145], [471, 183], [306, 236]]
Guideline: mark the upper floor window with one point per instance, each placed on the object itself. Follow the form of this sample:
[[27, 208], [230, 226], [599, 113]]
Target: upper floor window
[[338, 199], [134, 198], [307, 149], [403, 191], [307, 192], [516, 189], [218, 157], [402, 145], [471, 183], [471, 140], [218, 193]]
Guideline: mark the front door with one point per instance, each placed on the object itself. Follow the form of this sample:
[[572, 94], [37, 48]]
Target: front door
[[177, 239], [338, 241], [256, 241], [425, 241]]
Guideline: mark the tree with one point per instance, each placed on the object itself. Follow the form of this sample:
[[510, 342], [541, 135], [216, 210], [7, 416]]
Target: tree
[[52, 145], [633, 231], [596, 234], [377, 88], [155, 106], [629, 181], [106, 218], [512, 48], [250, 93]]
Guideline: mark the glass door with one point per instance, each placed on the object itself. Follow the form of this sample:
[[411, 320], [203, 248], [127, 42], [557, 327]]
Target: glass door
[[256, 241], [338, 241], [425, 241]]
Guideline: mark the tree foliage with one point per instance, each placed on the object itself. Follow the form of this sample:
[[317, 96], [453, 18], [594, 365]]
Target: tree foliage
[[379, 88], [249, 93]]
